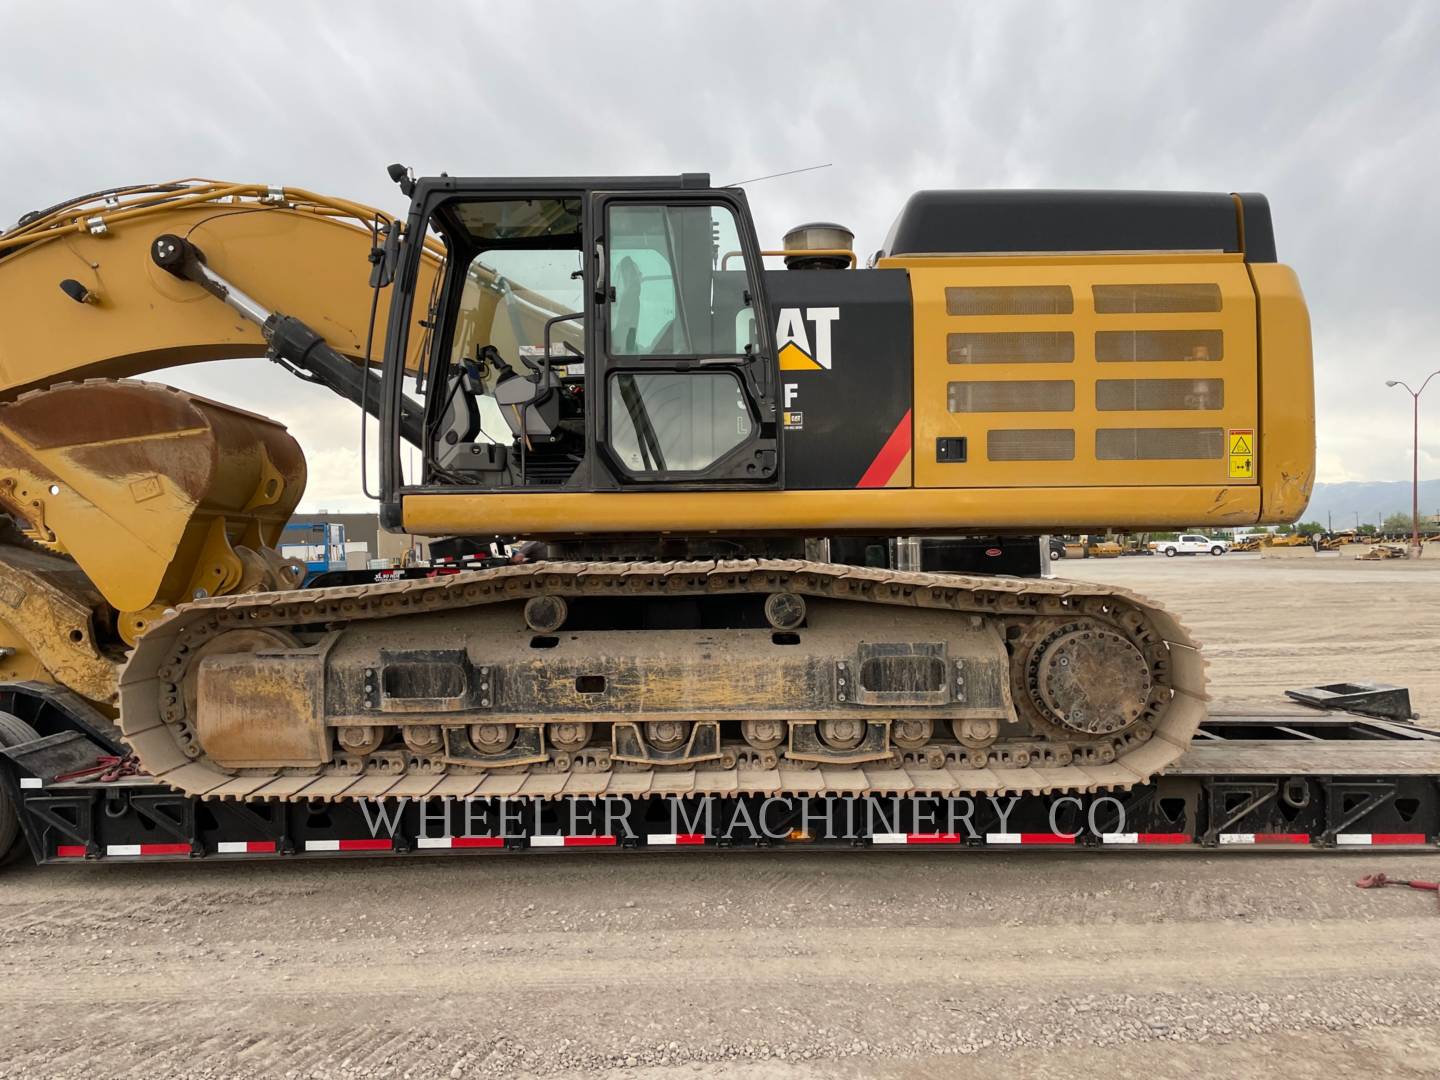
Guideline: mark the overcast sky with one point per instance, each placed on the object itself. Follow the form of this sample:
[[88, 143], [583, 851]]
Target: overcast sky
[[1331, 109]]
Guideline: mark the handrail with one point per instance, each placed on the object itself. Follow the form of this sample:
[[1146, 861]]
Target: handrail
[[831, 253]]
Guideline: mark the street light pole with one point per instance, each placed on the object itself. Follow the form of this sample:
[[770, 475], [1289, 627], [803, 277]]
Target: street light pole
[[1415, 458]]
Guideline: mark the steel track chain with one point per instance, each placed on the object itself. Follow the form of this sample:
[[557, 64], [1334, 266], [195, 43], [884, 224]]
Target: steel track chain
[[151, 681]]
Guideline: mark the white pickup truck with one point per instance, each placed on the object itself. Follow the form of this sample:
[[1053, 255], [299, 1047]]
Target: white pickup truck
[[1190, 544]]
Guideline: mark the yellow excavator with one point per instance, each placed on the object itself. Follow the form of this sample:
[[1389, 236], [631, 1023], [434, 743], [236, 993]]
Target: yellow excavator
[[695, 447]]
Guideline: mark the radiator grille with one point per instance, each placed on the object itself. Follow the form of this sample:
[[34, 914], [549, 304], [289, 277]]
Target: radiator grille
[[1041, 395], [1030, 444], [1009, 300], [1147, 299], [1057, 347], [1151, 394], [1118, 346], [1159, 444]]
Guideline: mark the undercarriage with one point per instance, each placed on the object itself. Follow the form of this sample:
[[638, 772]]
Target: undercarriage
[[588, 677]]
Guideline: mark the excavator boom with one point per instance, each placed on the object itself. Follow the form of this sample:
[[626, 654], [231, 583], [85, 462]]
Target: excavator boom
[[82, 297]]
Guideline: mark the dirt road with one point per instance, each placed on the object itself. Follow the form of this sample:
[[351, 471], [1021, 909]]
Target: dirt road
[[1268, 625], [788, 964]]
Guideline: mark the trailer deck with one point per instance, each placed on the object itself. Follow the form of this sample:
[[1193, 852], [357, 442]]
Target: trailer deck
[[1294, 778]]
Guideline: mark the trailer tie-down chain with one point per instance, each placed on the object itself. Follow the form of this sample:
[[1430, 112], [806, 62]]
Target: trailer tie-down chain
[[1377, 881], [107, 768]]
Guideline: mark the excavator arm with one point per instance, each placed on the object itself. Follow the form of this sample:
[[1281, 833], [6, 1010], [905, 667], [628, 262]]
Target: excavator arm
[[81, 295], [141, 494]]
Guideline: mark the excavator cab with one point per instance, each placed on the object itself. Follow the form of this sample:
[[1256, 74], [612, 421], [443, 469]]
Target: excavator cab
[[584, 335]]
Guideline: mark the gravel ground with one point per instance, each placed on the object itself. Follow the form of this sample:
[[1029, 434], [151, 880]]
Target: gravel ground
[[1268, 625], [788, 964]]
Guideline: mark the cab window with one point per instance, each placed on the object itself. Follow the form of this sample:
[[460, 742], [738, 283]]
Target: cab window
[[666, 421], [677, 281], [501, 412]]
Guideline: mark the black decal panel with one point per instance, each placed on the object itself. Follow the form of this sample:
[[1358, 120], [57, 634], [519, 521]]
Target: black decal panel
[[845, 340]]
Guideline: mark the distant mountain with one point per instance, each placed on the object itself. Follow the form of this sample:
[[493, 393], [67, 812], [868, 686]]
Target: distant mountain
[[1373, 500]]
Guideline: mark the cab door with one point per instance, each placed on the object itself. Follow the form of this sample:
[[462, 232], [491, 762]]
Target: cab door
[[684, 376]]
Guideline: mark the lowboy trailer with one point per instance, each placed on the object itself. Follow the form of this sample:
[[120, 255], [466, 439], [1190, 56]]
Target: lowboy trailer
[[1290, 778]]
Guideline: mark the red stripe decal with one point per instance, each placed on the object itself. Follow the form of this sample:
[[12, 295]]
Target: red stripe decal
[[164, 849], [1045, 838], [589, 841], [365, 845], [690, 838], [70, 851], [932, 838], [1282, 838], [1397, 838], [261, 847], [478, 841], [882, 469], [1163, 838]]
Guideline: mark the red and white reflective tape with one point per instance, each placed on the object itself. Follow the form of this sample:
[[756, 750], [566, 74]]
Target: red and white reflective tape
[[378, 844], [1028, 838], [1264, 838], [1145, 838], [123, 850], [31, 783], [70, 851], [446, 843], [572, 841], [1366, 839], [676, 839], [247, 847], [917, 838]]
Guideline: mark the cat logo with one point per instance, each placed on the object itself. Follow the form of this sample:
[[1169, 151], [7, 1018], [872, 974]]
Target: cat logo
[[794, 339]]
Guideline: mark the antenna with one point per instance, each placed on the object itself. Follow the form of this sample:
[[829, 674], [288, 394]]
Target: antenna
[[772, 176]]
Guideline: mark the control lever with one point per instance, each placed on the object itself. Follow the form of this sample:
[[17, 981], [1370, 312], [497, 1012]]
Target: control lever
[[488, 354]]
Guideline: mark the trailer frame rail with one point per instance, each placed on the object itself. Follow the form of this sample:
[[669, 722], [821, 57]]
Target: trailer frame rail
[[1288, 780]]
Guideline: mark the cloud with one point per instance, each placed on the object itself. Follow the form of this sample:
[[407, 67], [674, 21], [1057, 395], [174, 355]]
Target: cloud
[[1330, 110]]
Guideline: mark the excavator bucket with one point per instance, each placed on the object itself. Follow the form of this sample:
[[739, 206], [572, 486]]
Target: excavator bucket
[[160, 496], [53, 624]]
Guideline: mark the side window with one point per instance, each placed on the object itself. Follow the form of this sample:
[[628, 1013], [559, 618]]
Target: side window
[[508, 295], [498, 413], [678, 282], [671, 421]]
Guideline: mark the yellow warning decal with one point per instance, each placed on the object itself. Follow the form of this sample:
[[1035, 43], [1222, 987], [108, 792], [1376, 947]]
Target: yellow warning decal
[[794, 358], [1242, 454]]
